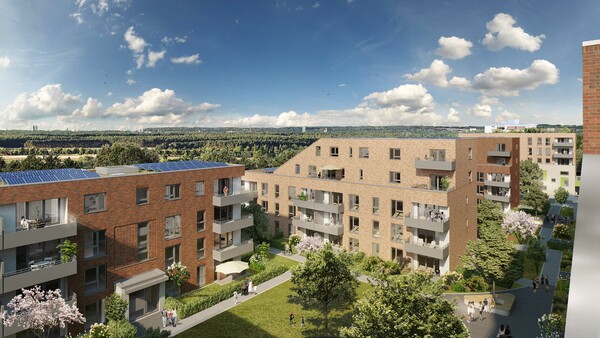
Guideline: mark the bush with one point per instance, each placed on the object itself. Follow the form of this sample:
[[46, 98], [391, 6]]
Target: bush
[[98, 331], [458, 287], [559, 245], [563, 231], [567, 211], [476, 283], [392, 267], [450, 278], [371, 263], [126, 329], [358, 256], [156, 333]]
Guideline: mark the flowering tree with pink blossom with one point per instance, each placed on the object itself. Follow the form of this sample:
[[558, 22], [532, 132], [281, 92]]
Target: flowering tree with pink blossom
[[520, 224], [40, 310], [309, 244]]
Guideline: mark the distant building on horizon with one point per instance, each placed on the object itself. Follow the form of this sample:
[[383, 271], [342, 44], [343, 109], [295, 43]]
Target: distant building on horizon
[[508, 126]]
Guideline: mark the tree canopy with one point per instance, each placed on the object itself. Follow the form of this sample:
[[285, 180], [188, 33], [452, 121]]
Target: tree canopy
[[259, 231], [561, 195], [530, 175], [125, 154], [325, 281], [536, 199], [536, 251], [115, 307], [408, 305], [489, 213]]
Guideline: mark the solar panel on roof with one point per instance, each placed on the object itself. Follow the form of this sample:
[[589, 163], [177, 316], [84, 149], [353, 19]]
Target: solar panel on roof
[[178, 166], [45, 175]]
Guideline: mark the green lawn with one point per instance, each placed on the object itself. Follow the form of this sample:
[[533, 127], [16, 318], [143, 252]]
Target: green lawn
[[267, 315], [288, 263], [529, 269]]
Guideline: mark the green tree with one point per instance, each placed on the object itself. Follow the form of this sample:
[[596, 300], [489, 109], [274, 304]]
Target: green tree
[[125, 154], [561, 195], [530, 175], [405, 306], [324, 282], [536, 251], [536, 199], [115, 307], [489, 213], [122, 329], [260, 230], [178, 273]]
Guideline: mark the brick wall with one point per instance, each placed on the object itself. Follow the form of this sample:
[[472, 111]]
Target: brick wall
[[591, 97]]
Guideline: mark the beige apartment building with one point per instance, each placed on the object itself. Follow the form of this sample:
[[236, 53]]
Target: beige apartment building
[[553, 152], [393, 198]]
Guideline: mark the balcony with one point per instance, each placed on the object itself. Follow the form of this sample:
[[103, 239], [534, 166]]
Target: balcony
[[37, 232], [498, 198], [562, 155], [435, 165], [439, 225], [427, 249], [494, 183], [234, 197], [37, 273], [332, 229], [224, 226], [562, 144], [233, 251], [497, 153], [336, 208]]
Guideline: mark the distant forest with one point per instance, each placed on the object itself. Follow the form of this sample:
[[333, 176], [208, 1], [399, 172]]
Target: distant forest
[[252, 147]]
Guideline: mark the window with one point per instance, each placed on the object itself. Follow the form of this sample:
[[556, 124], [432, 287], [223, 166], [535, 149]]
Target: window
[[363, 152], [200, 248], [143, 302], [171, 255], [265, 206], [94, 244], [350, 151], [547, 151], [397, 232], [141, 196], [375, 228], [276, 190], [547, 141], [172, 192], [360, 174], [94, 202], [374, 249], [172, 226], [539, 151], [312, 170], [334, 151], [94, 279], [480, 189], [553, 180], [265, 189], [200, 220], [395, 177], [539, 160], [539, 141], [297, 169], [354, 244], [354, 202], [530, 151], [276, 209], [199, 188], [397, 209], [276, 226], [529, 141], [92, 313], [547, 161], [291, 193], [142, 241], [470, 153], [201, 275], [318, 150], [376, 205], [500, 147], [394, 153], [564, 173], [291, 211], [354, 223], [480, 176], [470, 176]]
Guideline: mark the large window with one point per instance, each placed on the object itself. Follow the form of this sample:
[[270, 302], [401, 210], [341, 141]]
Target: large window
[[94, 279], [94, 244], [375, 228], [397, 209], [334, 151], [172, 191], [265, 206], [395, 177], [394, 153], [199, 188], [200, 248], [291, 211], [141, 196], [171, 255], [276, 209], [354, 223], [172, 226], [200, 221], [201, 275], [376, 205], [94, 202], [142, 241], [354, 202], [143, 302], [265, 189]]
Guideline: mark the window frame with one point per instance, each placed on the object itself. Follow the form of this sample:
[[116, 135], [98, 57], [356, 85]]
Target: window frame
[[144, 200], [94, 200], [203, 250], [395, 177], [96, 244], [393, 155], [334, 151], [201, 221], [99, 270], [172, 192], [143, 245], [175, 230], [200, 192]]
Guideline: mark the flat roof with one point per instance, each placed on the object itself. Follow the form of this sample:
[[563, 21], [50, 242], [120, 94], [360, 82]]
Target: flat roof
[[44, 176], [590, 43]]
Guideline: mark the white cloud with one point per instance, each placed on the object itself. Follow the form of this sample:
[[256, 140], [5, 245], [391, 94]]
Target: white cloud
[[77, 17], [139, 61], [459, 82], [414, 98], [453, 47], [505, 115], [342, 85], [100, 8], [135, 43], [131, 81], [109, 94], [506, 81], [285, 119], [492, 101], [92, 108], [154, 57], [316, 5], [481, 110], [192, 59], [173, 40], [4, 62], [435, 74], [48, 101], [453, 116], [502, 33]]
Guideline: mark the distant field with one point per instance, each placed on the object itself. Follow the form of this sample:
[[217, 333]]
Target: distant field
[[74, 157]]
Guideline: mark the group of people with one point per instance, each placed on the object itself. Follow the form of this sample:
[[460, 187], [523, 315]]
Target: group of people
[[247, 287], [483, 308], [537, 280], [435, 216], [292, 316], [169, 317], [504, 331]]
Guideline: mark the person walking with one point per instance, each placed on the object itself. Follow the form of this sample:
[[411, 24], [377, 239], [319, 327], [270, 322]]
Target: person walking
[[174, 317], [547, 283], [533, 284], [483, 308], [470, 311], [250, 286], [163, 315], [501, 331], [291, 318], [235, 297], [302, 322], [169, 317]]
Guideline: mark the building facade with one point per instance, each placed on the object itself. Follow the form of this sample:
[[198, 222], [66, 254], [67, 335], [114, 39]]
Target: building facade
[[555, 153], [393, 198], [130, 223]]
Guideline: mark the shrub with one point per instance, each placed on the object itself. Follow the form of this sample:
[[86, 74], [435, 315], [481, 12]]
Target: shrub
[[392, 267], [156, 333], [358, 256], [309, 243], [476, 283], [450, 278], [458, 287], [559, 245], [563, 231], [273, 270], [293, 241], [126, 329], [256, 263], [567, 211], [371, 263], [98, 331]]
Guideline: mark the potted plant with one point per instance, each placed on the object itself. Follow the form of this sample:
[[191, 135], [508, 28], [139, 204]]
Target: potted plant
[[68, 251], [303, 196], [444, 183]]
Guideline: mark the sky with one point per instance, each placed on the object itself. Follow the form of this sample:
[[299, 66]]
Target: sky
[[133, 64]]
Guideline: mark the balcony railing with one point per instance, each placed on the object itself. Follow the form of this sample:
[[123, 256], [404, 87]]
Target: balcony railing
[[234, 197], [497, 183], [439, 223], [233, 250], [562, 143], [431, 249], [498, 153], [335, 229], [447, 165], [37, 273], [563, 155], [229, 225], [336, 208], [36, 232], [498, 198]]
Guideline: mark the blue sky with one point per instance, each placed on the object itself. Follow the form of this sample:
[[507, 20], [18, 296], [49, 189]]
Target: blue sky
[[130, 64]]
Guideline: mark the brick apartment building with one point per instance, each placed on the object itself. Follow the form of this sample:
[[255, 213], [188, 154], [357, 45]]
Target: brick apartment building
[[130, 223], [393, 198], [553, 152]]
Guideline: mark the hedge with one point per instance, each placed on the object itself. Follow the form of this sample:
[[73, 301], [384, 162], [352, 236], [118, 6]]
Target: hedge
[[192, 305]]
